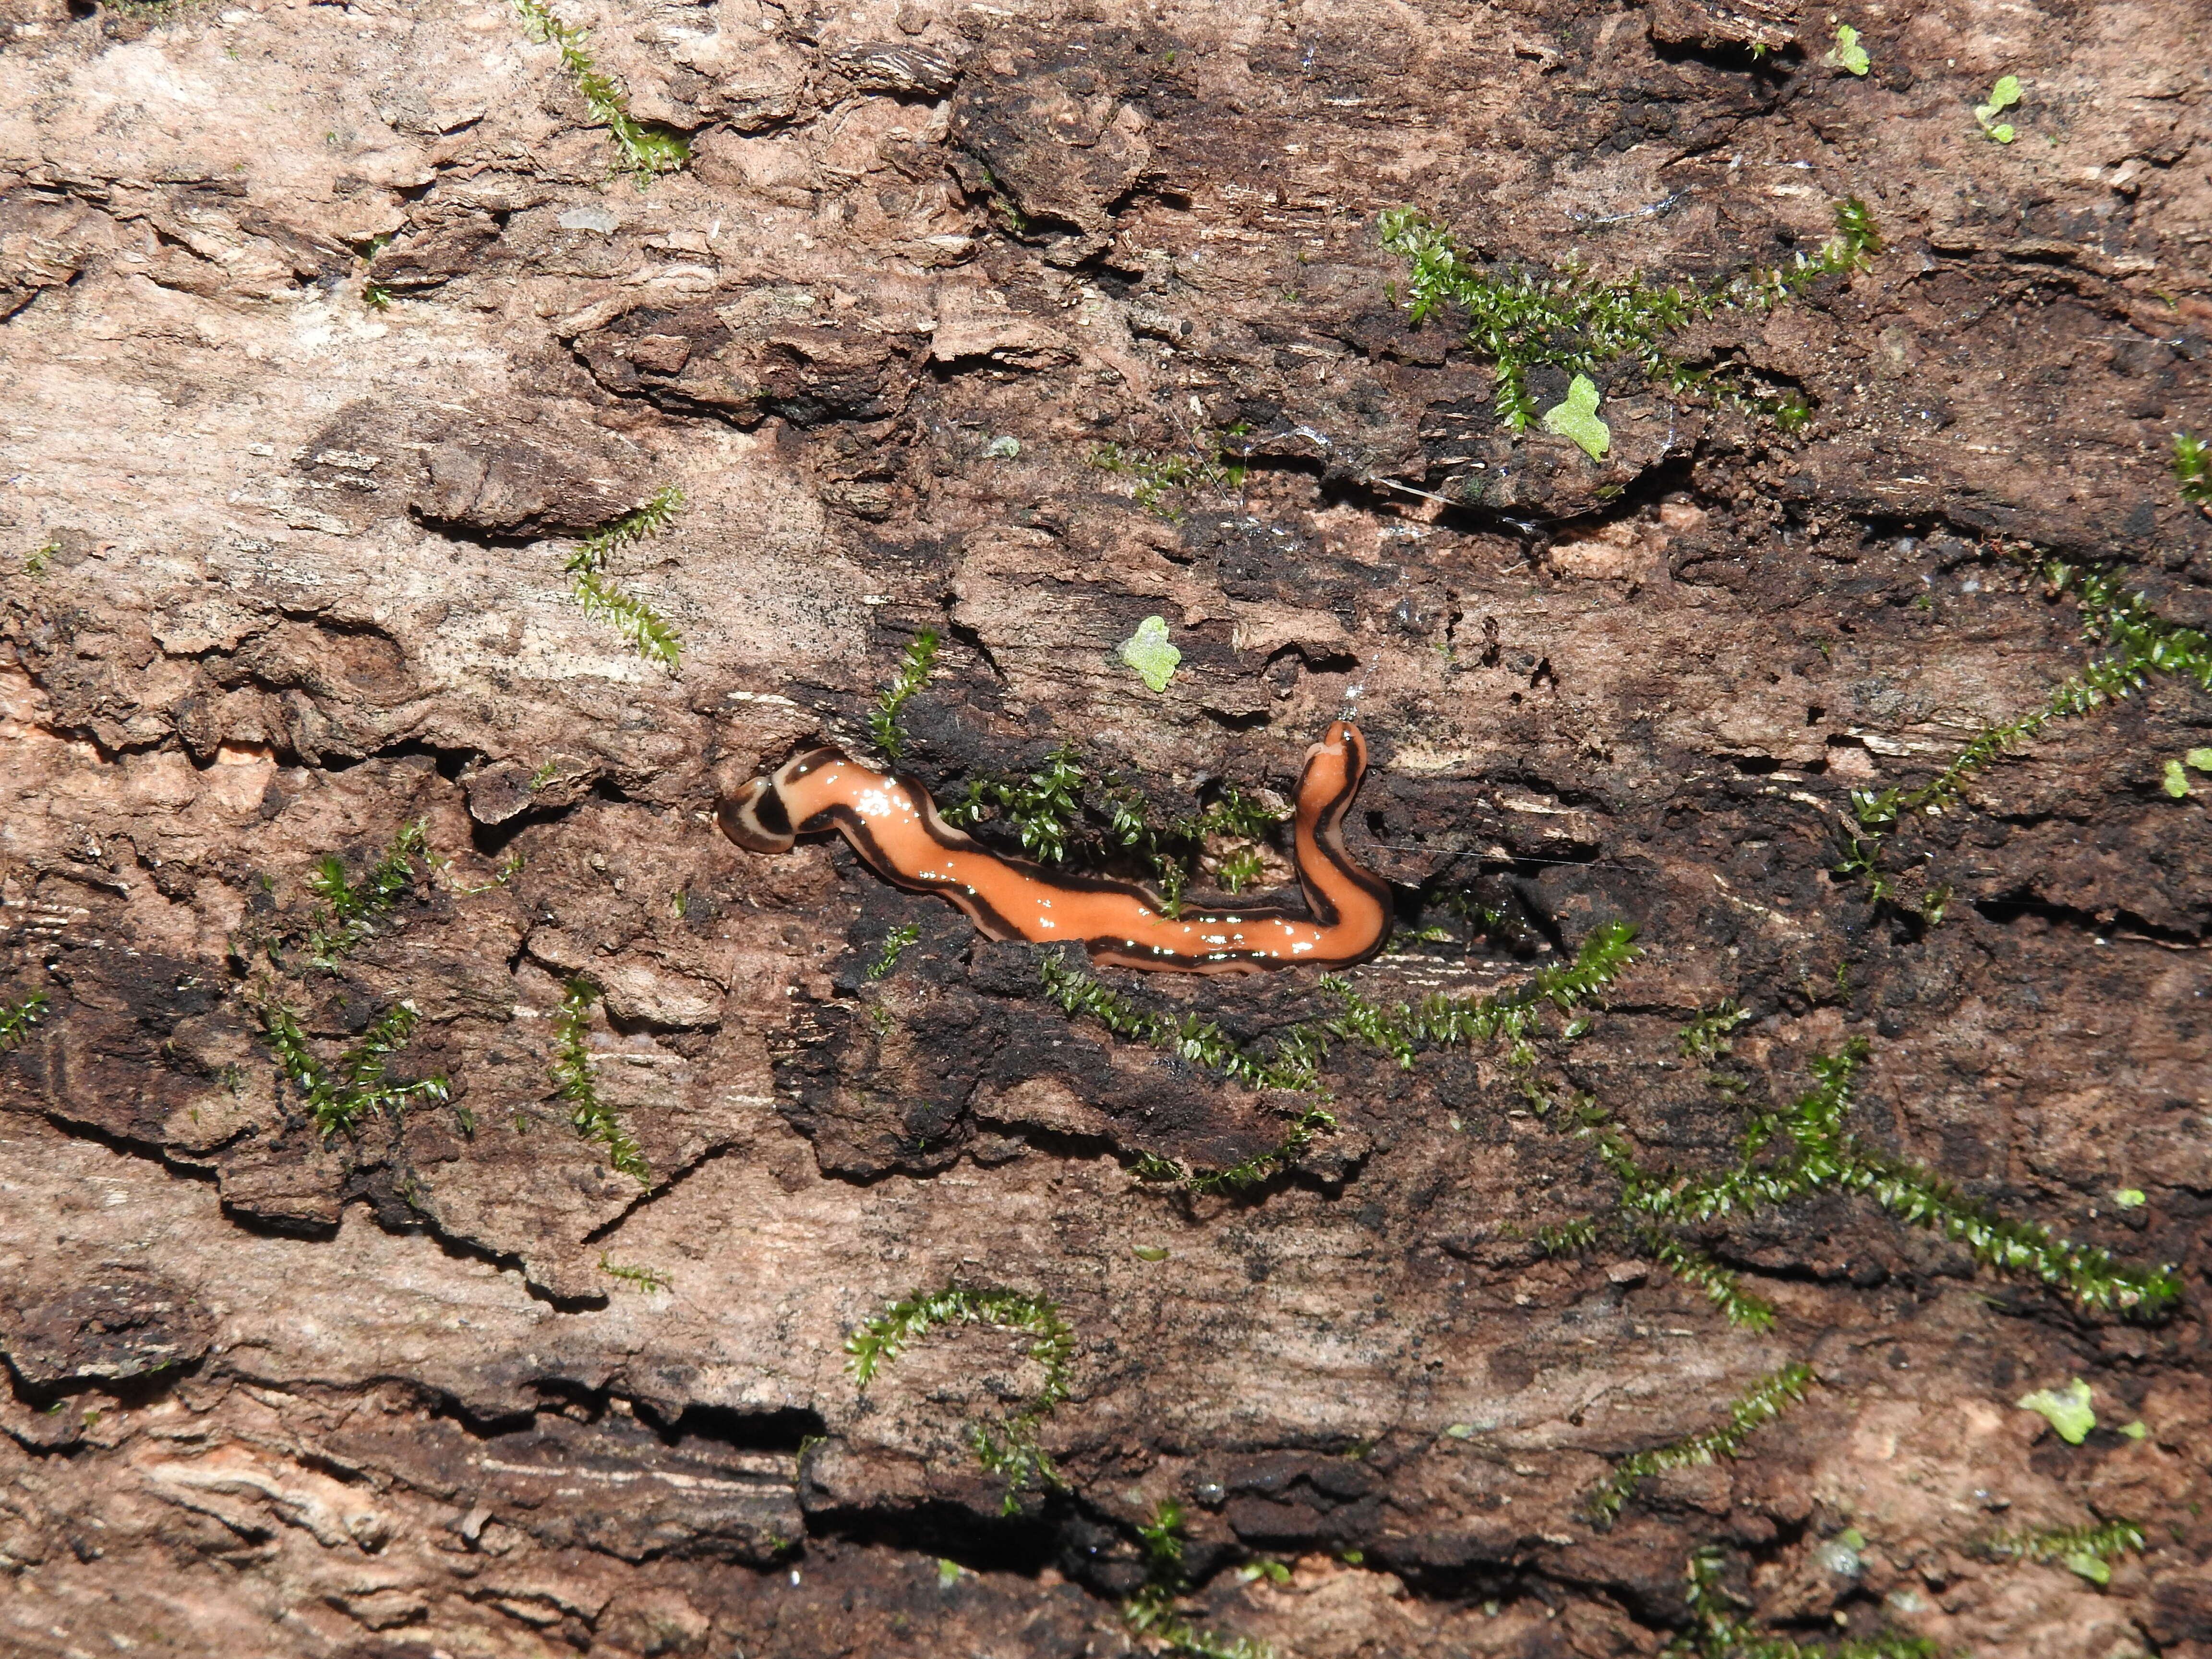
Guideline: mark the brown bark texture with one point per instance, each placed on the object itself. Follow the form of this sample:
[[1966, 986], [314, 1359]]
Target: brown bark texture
[[451, 1193]]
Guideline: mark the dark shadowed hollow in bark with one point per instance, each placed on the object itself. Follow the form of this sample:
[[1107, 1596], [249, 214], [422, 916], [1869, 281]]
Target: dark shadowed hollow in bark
[[1737, 461]]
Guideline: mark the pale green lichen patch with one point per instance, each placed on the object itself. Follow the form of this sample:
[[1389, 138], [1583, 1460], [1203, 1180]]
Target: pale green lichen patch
[[1848, 54], [1576, 418], [2067, 1410], [2002, 96], [1150, 653]]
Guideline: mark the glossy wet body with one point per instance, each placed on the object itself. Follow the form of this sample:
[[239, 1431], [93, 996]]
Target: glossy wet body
[[892, 824]]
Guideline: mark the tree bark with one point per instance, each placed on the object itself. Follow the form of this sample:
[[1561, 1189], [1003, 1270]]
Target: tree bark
[[455, 1198]]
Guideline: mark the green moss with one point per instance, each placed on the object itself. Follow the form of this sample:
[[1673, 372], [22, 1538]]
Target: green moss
[[1568, 1238], [353, 911], [897, 942], [2139, 645], [1719, 1631], [2192, 469], [574, 1082], [1044, 809], [640, 148], [1290, 1059], [1512, 1016], [1239, 868], [1523, 320], [602, 597], [17, 1019], [644, 1281], [1011, 1451], [1166, 485], [1283, 1155], [1153, 1610], [1705, 1038], [1759, 1405], [1819, 1154], [1054, 812], [1720, 1286], [2088, 1550], [914, 669], [337, 1096]]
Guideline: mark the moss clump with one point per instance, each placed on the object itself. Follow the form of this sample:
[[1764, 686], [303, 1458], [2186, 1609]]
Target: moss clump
[[1820, 1154], [1055, 813], [1522, 320], [17, 1019], [914, 669], [1011, 1451], [1290, 1059], [352, 911], [1044, 809], [337, 1096]]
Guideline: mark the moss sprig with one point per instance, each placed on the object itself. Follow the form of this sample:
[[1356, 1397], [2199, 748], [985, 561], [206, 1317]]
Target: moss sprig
[[2192, 469], [1011, 1451], [1721, 1287], [1290, 1061], [2139, 644], [1719, 1630], [1753, 1409], [640, 149], [352, 911], [604, 598], [17, 1019], [644, 1281], [1158, 477], [897, 942], [1522, 319], [1153, 1610], [914, 671], [338, 1095], [1512, 1016], [1314, 1121], [574, 1082], [2087, 1550], [1820, 1154]]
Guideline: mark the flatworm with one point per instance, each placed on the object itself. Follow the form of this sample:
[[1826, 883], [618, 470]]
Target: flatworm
[[894, 826]]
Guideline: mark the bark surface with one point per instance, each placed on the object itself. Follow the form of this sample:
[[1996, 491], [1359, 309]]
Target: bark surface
[[443, 1176]]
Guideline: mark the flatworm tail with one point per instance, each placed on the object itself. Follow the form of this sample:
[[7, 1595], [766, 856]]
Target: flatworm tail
[[893, 826]]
